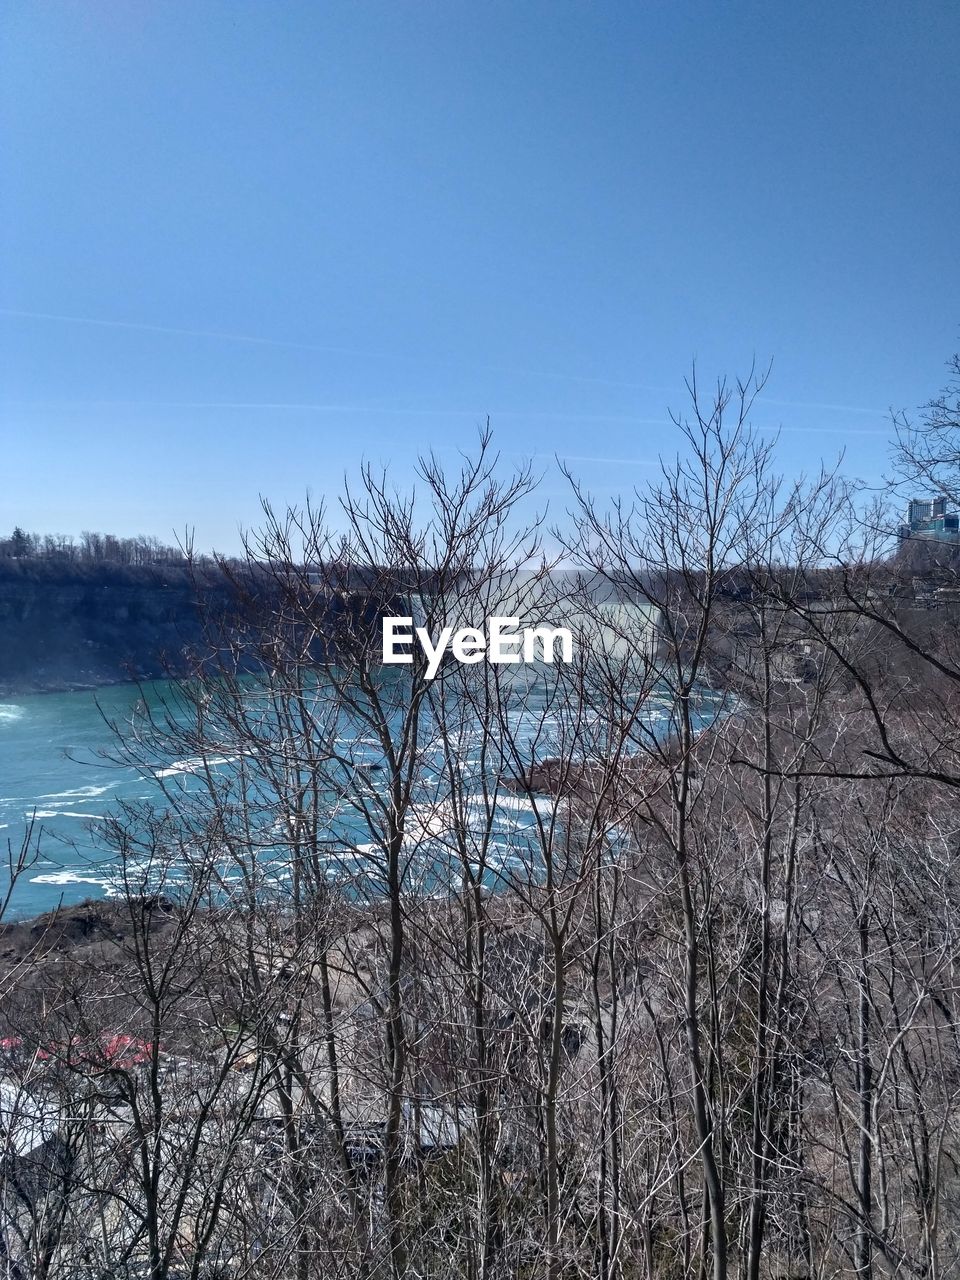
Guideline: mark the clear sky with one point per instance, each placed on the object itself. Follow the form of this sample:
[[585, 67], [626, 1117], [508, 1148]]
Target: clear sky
[[244, 243]]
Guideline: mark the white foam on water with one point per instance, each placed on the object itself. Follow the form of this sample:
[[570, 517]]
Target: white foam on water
[[66, 877], [180, 766], [194, 765], [41, 813], [59, 809], [525, 805], [92, 817], [77, 791], [10, 711]]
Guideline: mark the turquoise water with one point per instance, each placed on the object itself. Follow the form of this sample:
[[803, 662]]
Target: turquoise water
[[49, 771], [53, 774]]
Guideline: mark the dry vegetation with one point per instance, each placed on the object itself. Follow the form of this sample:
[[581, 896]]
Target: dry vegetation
[[698, 1016]]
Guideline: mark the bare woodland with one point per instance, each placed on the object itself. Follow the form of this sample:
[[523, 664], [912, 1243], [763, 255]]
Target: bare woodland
[[698, 1017]]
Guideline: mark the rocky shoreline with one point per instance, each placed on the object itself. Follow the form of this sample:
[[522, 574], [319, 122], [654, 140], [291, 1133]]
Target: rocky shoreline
[[81, 684], [102, 924]]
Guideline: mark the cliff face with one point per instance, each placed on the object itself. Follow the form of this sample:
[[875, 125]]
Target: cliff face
[[66, 627], [69, 626]]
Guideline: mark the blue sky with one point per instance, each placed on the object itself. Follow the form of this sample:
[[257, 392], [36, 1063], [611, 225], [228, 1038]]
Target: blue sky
[[245, 244]]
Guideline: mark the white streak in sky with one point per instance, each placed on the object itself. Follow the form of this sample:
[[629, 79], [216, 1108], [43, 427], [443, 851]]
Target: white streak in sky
[[843, 431], [285, 406], [306, 407], [618, 462], [813, 404], [257, 340], [183, 333]]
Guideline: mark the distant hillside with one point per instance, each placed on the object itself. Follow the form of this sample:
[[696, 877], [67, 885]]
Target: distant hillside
[[78, 625]]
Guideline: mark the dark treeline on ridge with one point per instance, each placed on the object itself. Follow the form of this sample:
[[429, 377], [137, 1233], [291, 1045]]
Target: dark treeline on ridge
[[89, 548]]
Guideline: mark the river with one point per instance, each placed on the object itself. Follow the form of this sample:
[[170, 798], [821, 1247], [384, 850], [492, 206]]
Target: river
[[52, 773]]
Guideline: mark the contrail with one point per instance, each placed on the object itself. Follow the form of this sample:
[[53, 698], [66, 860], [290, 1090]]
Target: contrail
[[844, 431], [387, 411], [185, 333], [310, 407], [142, 327], [258, 340], [208, 404], [813, 404], [617, 462]]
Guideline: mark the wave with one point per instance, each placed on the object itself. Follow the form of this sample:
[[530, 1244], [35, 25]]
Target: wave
[[193, 765], [10, 711], [77, 791], [61, 810], [59, 813], [67, 877], [543, 805]]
